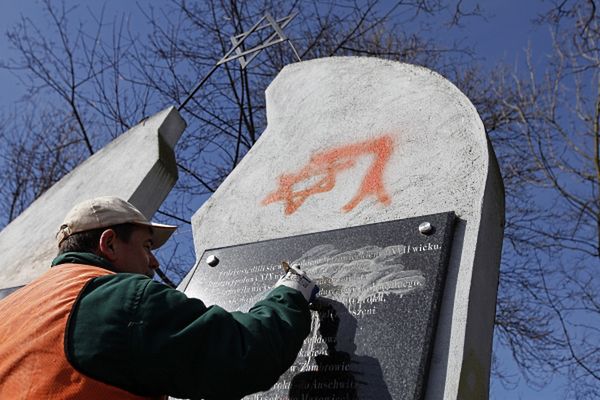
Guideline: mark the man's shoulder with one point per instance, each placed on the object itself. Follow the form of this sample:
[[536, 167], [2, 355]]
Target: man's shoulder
[[120, 280], [102, 328], [116, 290]]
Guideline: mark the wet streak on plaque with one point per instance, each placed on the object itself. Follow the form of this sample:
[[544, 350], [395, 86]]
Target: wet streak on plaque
[[373, 326]]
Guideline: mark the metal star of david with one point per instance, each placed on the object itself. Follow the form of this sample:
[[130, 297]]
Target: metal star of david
[[278, 36], [245, 56]]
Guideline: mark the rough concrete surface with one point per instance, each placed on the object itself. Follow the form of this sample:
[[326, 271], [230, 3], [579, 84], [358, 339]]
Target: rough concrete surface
[[352, 141], [138, 166]]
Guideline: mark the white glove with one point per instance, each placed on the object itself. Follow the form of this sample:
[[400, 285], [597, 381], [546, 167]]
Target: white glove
[[297, 279]]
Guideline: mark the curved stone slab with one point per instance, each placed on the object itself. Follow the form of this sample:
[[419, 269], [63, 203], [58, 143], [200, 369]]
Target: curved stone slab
[[138, 166], [355, 141]]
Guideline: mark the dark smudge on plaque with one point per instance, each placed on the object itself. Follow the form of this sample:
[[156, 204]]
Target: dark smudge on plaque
[[373, 326]]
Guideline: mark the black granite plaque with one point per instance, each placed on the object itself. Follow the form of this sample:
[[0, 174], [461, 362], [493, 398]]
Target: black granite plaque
[[7, 291], [373, 326]]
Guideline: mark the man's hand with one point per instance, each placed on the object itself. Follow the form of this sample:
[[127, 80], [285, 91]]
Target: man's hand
[[297, 279]]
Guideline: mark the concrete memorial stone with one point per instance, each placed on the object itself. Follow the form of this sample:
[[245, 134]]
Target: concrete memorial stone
[[352, 142], [138, 166]]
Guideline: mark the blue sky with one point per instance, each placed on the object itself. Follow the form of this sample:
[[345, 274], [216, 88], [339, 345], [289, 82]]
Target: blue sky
[[12, 10], [502, 36]]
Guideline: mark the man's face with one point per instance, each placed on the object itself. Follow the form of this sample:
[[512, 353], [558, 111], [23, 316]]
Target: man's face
[[135, 256]]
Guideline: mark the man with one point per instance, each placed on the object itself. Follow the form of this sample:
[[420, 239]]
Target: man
[[96, 326]]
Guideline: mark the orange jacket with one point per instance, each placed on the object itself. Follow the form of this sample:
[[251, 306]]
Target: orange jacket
[[33, 322]]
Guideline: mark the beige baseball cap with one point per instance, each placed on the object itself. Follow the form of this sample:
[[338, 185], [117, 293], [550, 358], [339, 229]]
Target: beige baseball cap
[[102, 212]]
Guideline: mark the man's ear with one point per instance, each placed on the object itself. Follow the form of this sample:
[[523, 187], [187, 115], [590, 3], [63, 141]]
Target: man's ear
[[107, 245]]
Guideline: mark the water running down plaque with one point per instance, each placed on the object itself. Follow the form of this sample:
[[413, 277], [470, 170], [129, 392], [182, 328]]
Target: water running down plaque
[[373, 327]]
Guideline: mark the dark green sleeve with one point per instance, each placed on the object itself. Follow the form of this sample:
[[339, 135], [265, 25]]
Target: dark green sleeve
[[131, 332]]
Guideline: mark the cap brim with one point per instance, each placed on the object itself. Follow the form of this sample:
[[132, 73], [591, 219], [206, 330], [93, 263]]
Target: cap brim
[[160, 233]]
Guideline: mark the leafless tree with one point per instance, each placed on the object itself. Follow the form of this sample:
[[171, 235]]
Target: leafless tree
[[548, 309], [37, 152]]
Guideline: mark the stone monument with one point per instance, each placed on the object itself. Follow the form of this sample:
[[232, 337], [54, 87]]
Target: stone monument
[[138, 166], [378, 179]]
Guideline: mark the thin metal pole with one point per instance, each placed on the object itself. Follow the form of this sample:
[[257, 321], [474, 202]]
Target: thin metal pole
[[295, 52], [193, 92]]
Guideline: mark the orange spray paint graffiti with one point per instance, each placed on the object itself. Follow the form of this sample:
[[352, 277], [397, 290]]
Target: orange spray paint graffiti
[[323, 168]]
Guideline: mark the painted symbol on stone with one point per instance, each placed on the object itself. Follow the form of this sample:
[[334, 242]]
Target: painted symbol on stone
[[323, 167]]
